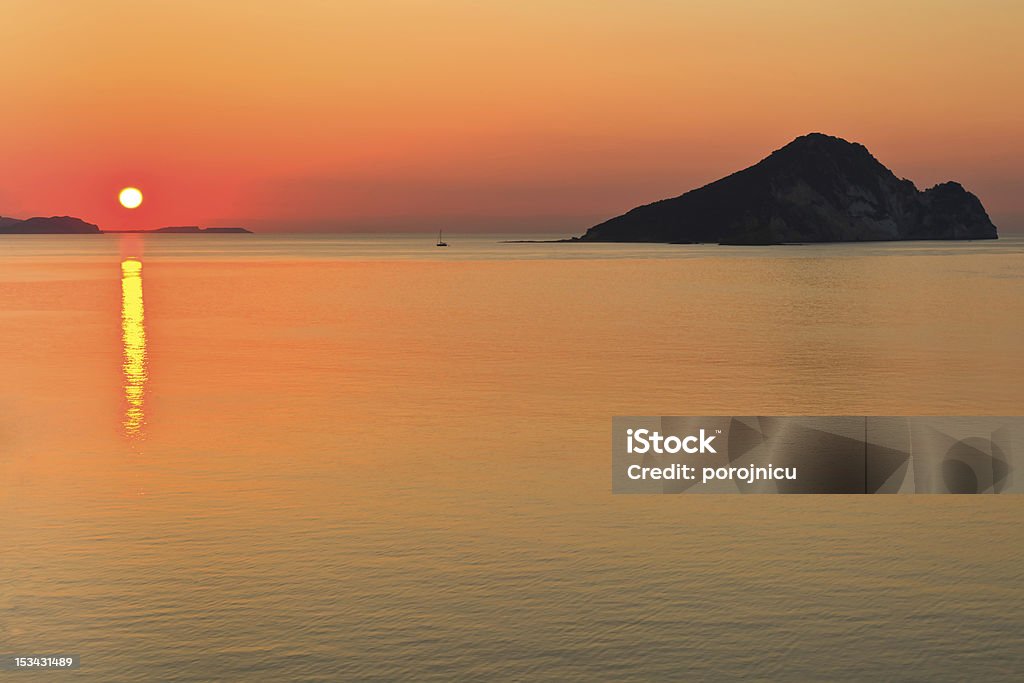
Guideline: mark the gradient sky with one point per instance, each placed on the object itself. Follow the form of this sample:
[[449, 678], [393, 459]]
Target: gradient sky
[[519, 115]]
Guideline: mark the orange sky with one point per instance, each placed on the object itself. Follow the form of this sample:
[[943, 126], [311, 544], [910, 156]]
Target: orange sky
[[525, 114]]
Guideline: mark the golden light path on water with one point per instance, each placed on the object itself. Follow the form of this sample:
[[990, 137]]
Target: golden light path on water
[[133, 339]]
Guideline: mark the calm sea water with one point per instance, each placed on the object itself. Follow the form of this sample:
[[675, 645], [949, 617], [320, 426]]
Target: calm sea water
[[329, 458]]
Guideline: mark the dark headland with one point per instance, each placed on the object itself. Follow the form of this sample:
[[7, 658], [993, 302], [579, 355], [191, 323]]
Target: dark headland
[[69, 225], [818, 188], [60, 225]]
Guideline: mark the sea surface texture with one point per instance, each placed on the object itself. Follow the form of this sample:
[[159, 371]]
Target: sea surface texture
[[255, 457]]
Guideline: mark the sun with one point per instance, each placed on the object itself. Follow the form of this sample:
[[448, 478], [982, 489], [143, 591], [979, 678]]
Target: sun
[[130, 197]]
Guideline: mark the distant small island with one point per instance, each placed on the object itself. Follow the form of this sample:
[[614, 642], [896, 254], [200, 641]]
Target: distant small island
[[69, 225], [818, 188], [184, 229]]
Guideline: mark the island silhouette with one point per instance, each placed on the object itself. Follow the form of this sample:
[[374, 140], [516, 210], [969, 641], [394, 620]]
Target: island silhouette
[[69, 225], [818, 188], [40, 225]]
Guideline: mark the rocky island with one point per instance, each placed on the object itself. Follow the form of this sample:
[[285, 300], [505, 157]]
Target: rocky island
[[69, 225], [818, 188], [40, 225]]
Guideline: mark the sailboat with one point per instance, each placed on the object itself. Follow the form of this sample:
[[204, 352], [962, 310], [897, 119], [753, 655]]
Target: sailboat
[[440, 242]]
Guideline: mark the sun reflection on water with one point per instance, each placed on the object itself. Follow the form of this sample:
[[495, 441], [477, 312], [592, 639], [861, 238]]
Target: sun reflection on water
[[133, 338]]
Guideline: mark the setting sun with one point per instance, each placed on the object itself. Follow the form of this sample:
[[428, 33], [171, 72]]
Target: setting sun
[[130, 198]]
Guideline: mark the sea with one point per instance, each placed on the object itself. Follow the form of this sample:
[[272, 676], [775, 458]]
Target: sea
[[364, 457]]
